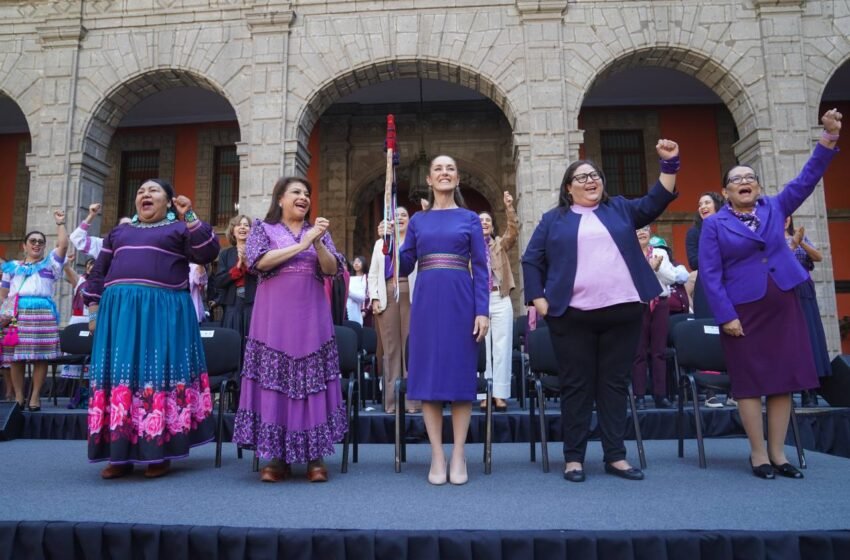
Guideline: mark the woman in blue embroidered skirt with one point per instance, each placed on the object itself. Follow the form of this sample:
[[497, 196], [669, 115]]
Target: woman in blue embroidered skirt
[[150, 396]]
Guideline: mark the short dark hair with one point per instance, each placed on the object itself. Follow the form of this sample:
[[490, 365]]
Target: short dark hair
[[728, 171], [564, 198], [275, 213], [34, 232]]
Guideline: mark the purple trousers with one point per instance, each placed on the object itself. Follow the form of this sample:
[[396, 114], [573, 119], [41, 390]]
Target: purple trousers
[[653, 342]]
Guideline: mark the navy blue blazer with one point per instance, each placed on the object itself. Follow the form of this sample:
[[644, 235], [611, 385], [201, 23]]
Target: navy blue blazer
[[549, 262]]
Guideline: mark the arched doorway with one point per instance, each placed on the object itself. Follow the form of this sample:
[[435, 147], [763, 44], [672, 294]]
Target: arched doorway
[[637, 101], [433, 117], [169, 123], [15, 144]]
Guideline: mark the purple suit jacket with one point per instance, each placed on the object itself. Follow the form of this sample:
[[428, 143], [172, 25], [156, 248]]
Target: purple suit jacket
[[734, 262]]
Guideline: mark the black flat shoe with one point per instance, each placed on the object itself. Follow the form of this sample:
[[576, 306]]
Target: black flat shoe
[[630, 473], [663, 402], [575, 475], [787, 470], [764, 471], [34, 408]]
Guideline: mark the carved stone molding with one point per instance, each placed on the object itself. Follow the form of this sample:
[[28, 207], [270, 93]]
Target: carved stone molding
[[541, 9], [60, 34], [270, 19], [773, 6]]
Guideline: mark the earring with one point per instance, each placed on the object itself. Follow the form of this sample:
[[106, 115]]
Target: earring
[[134, 219], [171, 215]]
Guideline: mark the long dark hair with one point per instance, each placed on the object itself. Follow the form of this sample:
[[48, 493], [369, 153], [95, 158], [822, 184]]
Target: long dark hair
[[275, 213], [365, 264], [716, 198], [456, 195], [564, 198]]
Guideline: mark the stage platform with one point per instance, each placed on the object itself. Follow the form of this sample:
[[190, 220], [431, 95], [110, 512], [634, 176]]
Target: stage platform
[[56, 506], [822, 429]]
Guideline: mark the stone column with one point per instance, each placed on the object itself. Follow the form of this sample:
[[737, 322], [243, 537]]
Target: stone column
[[261, 157], [793, 131]]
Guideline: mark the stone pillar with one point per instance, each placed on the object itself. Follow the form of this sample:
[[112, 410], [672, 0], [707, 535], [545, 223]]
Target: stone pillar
[[262, 161], [793, 131], [54, 176]]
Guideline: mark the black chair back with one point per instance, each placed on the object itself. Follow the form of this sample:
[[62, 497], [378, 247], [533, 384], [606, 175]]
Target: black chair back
[[697, 345], [520, 325], [76, 339], [541, 353], [223, 350], [370, 340], [673, 322], [358, 329], [347, 347]]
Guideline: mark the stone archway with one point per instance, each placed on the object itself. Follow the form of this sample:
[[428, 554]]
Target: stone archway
[[376, 72], [95, 162], [16, 141], [715, 76]]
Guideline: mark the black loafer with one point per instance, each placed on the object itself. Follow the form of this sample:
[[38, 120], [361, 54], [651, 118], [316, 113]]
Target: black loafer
[[574, 475], [764, 471], [631, 473], [787, 470]]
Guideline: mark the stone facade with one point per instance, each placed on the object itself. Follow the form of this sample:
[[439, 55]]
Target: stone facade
[[76, 68]]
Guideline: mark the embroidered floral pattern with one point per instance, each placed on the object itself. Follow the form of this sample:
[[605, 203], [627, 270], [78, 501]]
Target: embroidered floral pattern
[[273, 441], [266, 237], [153, 416], [294, 377]]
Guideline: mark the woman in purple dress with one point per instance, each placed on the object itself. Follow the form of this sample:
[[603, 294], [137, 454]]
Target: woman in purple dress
[[150, 393], [449, 314], [290, 409], [749, 276]]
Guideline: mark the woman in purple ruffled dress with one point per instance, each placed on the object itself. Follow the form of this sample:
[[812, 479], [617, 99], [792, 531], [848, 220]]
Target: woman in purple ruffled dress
[[290, 408]]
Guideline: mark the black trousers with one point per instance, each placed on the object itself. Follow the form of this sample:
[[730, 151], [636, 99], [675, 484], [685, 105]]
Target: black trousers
[[595, 350]]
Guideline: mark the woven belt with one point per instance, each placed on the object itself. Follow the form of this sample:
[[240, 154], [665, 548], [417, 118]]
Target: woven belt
[[444, 261]]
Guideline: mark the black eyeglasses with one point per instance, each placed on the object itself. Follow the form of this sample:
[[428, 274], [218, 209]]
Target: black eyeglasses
[[583, 177], [37, 242], [748, 178]]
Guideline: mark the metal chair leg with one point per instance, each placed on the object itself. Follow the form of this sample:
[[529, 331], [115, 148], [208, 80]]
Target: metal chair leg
[[220, 423], [544, 439], [532, 438], [488, 430], [697, 421], [680, 418], [255, 464], [355, 434], [399, 430], [795, 428], [638, 435], [347, 437]]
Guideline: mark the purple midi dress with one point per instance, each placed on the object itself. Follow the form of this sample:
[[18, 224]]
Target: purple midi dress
[[452, 288], [291, 405]]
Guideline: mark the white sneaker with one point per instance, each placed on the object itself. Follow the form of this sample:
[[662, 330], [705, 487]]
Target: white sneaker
[[730, 401], [713, 402]]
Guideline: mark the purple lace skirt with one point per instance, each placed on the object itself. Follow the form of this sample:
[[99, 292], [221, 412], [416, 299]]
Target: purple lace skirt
[[291, 404]]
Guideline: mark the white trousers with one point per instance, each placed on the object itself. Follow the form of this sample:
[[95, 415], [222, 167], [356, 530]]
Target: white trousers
[[499, 341]]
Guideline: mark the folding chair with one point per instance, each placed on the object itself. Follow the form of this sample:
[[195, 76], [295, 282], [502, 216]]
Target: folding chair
[[519, 359], [358, 330], [369, 360], [349, 366], [484, 386], [223, 352], [544, 375], [76, 342], [697, 347]]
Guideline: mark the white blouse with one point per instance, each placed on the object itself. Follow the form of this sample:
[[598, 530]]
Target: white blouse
[[36, 279]]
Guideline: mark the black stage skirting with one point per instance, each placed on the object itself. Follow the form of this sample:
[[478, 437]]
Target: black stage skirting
[[71, 541], [826, 430]]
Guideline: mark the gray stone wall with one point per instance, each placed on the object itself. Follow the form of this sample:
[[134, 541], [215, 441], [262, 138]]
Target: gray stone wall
[[76, 68]]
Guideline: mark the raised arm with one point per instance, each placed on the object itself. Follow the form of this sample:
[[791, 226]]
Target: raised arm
[[510, 236], [61, 234], [200, 243]]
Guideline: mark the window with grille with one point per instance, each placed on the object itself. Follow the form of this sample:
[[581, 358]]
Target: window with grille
[[136, 168], [225, 193], [623, 162]]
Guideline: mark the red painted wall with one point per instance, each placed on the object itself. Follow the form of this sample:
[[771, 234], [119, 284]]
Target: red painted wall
[[9, 146], [186, 160], [694, 127]]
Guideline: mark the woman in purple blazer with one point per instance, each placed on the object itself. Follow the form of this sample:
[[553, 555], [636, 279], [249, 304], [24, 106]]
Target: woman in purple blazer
[[586, 274], [749, 276]]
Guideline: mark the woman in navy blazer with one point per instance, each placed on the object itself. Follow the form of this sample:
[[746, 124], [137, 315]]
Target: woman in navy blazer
[[749, 276], [585, 273]]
